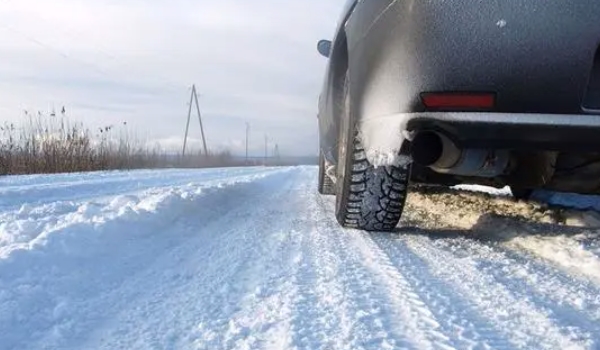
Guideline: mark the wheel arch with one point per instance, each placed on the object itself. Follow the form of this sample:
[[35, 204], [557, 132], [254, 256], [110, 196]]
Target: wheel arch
[[338, 67], [376, 58]]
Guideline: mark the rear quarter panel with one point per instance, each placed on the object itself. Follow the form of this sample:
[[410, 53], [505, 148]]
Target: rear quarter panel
[[329, 98], [535, 54]]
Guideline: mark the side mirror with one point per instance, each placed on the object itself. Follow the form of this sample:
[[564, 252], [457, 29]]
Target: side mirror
[[324, 47]]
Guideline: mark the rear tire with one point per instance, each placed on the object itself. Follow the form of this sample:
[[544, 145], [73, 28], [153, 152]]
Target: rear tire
[[521, 194], [326, 185], [367, 198]]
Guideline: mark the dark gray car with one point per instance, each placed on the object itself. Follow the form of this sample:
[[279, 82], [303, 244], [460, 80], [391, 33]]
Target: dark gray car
[[499, 93]]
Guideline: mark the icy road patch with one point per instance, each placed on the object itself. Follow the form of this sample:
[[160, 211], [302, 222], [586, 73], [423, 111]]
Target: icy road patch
[[253, 259]]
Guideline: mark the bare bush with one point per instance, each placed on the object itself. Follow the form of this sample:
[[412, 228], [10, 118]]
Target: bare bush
[[53, 145]]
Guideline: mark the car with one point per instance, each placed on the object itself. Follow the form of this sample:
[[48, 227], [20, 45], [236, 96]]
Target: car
[[451, 92]]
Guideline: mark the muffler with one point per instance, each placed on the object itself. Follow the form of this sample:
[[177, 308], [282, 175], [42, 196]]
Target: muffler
[[439, 153]]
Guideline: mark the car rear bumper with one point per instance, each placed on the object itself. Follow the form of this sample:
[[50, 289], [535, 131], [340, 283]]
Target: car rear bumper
[[384, 137], [518, 131]]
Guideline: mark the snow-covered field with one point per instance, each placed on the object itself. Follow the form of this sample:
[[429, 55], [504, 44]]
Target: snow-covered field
[[253, 259]]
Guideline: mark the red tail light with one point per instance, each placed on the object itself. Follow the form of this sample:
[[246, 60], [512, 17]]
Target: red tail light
[[455, 100]]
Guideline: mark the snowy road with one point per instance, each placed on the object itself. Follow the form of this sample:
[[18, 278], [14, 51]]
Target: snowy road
[[253, 259]]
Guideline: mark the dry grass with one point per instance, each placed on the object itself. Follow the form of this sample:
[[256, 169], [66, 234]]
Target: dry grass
[[55, 145]]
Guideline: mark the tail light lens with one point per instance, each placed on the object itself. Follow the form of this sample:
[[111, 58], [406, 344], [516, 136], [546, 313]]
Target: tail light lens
[[458, 101]]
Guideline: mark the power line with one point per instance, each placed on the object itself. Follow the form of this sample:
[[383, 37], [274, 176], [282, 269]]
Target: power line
[[63, 33], [50, 48], [163, 81]]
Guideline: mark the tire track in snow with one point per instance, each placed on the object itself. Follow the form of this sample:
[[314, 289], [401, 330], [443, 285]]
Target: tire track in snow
[[372, 317], [418, 322], [572, 304], [459, 320], [264, 318], [321, 319], [526, 326], [387, 313]]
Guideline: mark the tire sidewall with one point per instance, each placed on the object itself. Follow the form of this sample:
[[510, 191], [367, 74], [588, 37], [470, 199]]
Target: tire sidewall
[[345, 148]]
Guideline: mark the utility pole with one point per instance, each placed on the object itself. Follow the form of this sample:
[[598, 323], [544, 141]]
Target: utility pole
[[194, 97], [247, 133], [276, 154], [200, 120], [187, 126], [266, 148]]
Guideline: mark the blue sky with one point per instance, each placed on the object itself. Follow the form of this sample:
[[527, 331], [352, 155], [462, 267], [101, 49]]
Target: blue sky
[[110, 61]]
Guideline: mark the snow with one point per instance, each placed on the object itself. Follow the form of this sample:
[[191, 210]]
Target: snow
[[252, 258], [567, 252], [505, 191], [382, 139]]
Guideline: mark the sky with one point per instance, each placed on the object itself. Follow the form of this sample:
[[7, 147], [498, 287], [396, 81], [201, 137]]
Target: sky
[[110, 62]]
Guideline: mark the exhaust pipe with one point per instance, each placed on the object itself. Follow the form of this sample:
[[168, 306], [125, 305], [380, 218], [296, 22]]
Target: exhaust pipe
[[426, 148], [439, 153]]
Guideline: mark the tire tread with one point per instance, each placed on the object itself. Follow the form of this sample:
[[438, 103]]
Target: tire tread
[[376, 194]]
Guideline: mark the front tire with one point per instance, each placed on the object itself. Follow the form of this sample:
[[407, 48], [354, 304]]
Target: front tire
[[367, 198], [326, 185]]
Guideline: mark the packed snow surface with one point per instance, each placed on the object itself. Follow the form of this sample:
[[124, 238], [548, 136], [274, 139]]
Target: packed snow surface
[[252, 258]]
